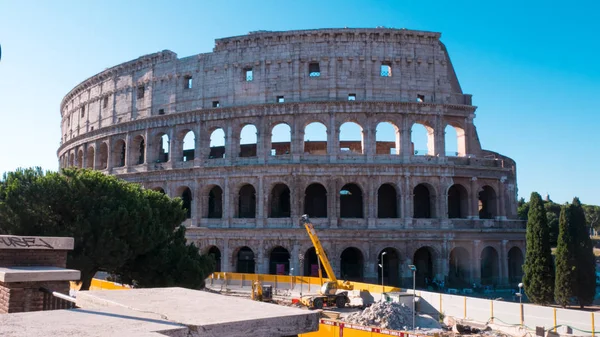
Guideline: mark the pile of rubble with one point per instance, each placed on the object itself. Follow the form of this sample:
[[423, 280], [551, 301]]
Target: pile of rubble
[[387, 315]]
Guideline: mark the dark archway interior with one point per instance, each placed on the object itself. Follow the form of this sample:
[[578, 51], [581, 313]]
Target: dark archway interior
[[423, 260], [351, 203], [421, 202], [186, 196], [140, 146], [247, 202], [387, 202], [216, 254], [351, 266], [163, 151], [489, 266], [515, 265], [245, 261], [315, 201], [279, 261], [391, 267], [119, 154], [457, 202], [280, 201], [103, 156], [160, 190], [311, 264], [215, 203], [459, 274], [487, 203], [90, 158]]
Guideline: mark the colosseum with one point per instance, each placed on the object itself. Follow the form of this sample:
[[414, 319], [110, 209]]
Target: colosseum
[[272, 125]]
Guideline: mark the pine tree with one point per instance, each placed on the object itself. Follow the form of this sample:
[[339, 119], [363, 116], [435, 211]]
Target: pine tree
[[538, 269], [585, 264], [564, 286]]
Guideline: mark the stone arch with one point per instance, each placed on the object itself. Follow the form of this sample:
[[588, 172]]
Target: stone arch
[[389, 266], [161, 145], [458, 202], [185, 193], [217, 144], [423, 201], [351, 138], [188, 145], [80, 158], [215, 203], [455, 140], [315, 138], [311, 264], [119, 152], [459, 274], [71, 159], [315, 201], [280, 206], [158, 189], [215, 253], [138, 152], [245, 260], [281, 139], [103, 157], [279, 261], [387, 138], [248, 141], [351, 201], [490, 266], [387, 201], [422, 139], [487, 202], [247, 202], [90, 155], [351, 264], [515, 265], [424, 259]]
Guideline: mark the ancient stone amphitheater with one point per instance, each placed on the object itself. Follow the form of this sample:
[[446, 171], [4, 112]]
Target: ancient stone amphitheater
[[272, 125]]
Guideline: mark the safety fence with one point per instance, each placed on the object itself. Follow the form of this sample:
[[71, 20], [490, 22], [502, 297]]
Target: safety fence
[[98, 284], [329, 328]]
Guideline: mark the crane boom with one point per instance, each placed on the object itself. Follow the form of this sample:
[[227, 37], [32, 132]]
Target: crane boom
[[318, 248]]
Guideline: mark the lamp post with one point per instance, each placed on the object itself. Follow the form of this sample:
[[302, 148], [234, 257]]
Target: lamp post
[[413, 268], [301, 258], [520, 294], [381, 265]]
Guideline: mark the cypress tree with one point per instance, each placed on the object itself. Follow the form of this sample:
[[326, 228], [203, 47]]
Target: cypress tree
[[538, 269], [565, 259], [585, 261]]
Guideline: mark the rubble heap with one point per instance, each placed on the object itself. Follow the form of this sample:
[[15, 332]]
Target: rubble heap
[[387, 315]]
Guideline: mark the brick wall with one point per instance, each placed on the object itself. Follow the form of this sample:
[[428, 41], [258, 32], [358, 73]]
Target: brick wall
[[32, 257], [25, 296]]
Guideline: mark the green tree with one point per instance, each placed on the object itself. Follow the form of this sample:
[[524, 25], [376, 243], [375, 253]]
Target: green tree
[[112, 221], [538, 269], [565, 259], [585, 261], [522, 209], [592, 216], [553, 228]]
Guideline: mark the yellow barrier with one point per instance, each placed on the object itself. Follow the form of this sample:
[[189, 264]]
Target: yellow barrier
[[329, 328], [101, 285]]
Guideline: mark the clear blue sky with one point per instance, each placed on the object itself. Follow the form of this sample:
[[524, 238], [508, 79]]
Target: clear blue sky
[[533, 67]]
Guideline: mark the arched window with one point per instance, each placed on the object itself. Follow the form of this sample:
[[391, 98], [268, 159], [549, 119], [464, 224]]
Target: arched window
[[247, 202], [422, 139], [139, 150], [248, 141], [487, 203], [387, 202], [315, 201], [315, 138], [279, 261], [217, 144], [423, 260], [281, 139], [458, 201], [89, 160], [423, 202], [162, 148], [103, 156], [186, 196], [280, 201], [351, 266], [351, 203], [245, 261], [189, 146], [119, 153], [455, 141], [387, 139], [215, 203], [351, 138]]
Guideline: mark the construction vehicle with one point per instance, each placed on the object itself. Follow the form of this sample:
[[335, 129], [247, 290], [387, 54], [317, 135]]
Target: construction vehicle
[[260, 292], [328, 293]]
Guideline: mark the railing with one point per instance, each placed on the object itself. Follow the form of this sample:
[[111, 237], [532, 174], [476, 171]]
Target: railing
[[53, 300]]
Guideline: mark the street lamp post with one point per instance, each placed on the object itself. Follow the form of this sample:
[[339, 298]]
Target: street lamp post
[[413, 268], [520, 294], [301, 258], [381, 266]]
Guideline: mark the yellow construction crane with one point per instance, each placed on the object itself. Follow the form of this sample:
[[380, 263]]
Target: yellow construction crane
[[328, 293]]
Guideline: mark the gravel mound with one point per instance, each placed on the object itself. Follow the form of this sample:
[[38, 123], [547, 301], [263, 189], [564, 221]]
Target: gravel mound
[[387, 315]]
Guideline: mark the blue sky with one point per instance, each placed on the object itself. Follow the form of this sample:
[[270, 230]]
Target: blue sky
[[533, 67]]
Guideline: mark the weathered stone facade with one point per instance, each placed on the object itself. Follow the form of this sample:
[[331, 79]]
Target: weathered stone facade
[[452, 216]]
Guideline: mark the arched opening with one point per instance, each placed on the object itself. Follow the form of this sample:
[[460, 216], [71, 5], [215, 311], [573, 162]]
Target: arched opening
[[248, 141], [459, 275], [119, 153], [103, 156], [489, 266], [515, 265], [281, 139], [311, 264], [71, 159], [162, 148], [189, 146], [422, 140], [245, 261], [215, 203], [351, 265], [388, 263], [455, 141], [423, 202], [423, 260], [315, 201], [279, 261], [315, 138], [487, 203], [159, 190], [458, 201], [351, 138], [80, 158], [280, 201], [186, 197], [351, 203], [139, 150], [387, 202], [89, 160], [216, 255], [247, 202], [217, 144], [387, 139]]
